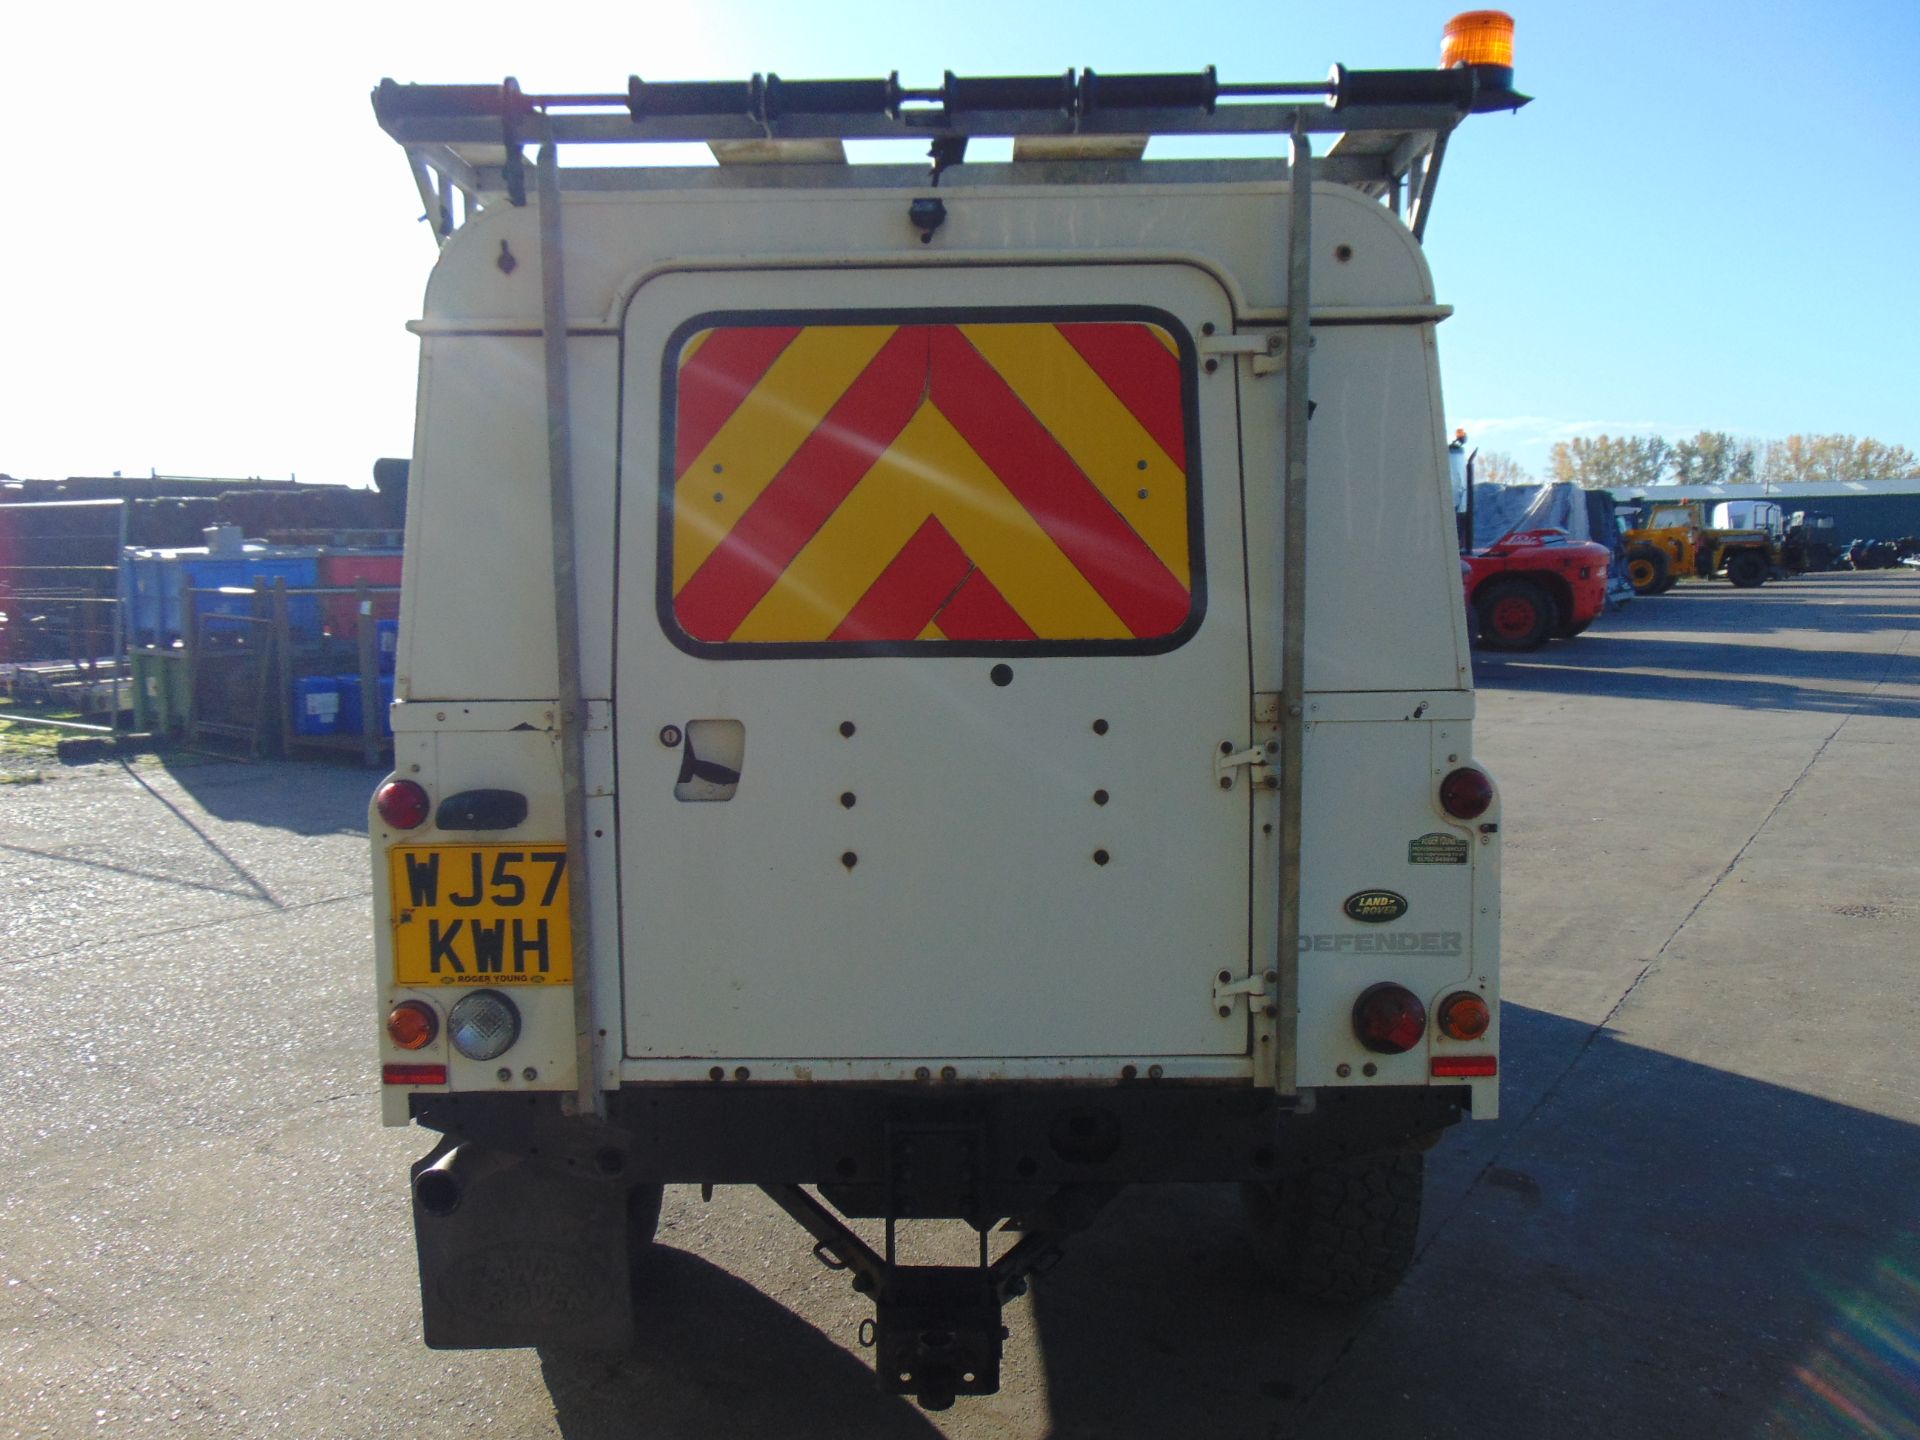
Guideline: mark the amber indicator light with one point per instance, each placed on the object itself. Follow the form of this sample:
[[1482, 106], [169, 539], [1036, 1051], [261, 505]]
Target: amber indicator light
[[412, 1025], [1464, 1016]]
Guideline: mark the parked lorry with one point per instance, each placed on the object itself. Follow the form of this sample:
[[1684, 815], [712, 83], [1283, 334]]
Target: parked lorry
[[887, 708], [1673, 541]]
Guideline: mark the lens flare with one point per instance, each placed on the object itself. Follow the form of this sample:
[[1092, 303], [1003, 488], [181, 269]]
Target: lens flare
[[1864, 1379]]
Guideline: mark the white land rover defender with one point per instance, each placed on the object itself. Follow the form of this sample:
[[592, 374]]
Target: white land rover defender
[[890, 707]]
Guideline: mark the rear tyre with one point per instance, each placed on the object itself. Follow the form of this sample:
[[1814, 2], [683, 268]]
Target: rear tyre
[[1340, 1233], [1747, 569], [1647, 570], [1514, 614]]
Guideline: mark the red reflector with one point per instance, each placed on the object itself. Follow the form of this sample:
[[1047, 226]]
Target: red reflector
[[413, 1074], [1451, 1065], [402, 804], [1466, 793]]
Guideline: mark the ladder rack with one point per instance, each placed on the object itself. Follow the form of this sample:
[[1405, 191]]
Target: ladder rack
[[469, 140]]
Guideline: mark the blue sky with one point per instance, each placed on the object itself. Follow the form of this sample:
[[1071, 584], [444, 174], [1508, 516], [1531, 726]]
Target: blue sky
[[1707, 219]]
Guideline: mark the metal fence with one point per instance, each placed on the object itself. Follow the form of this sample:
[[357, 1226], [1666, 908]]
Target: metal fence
[[62, 617]]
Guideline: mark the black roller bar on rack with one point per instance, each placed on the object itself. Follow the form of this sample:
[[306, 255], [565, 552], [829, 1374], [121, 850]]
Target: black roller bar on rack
[[1075, 102]]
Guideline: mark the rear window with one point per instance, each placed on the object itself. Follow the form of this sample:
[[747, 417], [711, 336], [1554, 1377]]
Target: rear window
[[927, 483]]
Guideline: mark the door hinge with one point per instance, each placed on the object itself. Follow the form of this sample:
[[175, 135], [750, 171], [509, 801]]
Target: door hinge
[[1257, 762], [1264, 349], [1256, 990]]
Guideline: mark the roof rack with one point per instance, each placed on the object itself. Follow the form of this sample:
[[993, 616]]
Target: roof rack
[[1393, 125]]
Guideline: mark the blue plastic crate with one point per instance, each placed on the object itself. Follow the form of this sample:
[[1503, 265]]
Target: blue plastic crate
[[350, 717], [257, 569], [154, 584], [157, 581], [317, 705]]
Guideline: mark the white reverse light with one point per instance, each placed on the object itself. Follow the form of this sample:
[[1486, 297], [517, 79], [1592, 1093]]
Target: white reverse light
[[483, 1025]]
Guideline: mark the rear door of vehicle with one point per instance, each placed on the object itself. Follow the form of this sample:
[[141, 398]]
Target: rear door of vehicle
[[931, 624]]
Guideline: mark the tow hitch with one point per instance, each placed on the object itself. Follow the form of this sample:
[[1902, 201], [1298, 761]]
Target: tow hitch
[[936, 1330]]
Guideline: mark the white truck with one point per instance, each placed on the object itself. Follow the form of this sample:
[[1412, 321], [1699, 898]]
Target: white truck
[[934, 691]]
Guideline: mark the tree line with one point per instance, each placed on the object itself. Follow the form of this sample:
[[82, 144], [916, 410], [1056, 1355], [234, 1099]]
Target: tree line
[[1711, 457]]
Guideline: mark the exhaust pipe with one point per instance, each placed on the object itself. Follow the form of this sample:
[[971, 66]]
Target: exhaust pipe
[[441, 1186]]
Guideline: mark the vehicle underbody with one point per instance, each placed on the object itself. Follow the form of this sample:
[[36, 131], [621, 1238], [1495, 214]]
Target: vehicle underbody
[[1037, 1163]]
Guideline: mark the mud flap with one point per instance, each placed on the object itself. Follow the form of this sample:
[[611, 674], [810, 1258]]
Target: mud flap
[[519, 1252]]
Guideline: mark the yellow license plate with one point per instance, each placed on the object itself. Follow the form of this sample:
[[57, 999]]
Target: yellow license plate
[[480, 915]]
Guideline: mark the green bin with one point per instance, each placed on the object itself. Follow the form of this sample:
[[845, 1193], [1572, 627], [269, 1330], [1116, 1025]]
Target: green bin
[[162, 696]]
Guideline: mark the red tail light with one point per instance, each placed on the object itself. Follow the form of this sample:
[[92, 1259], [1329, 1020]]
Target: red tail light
[[1466, 793], [402, 804], [1389, 1019]]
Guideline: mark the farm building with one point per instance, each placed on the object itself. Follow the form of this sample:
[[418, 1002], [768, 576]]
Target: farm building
[[1861, 509]]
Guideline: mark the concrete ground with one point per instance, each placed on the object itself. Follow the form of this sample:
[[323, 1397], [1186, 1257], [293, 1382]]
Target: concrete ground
[[1699, 1216]]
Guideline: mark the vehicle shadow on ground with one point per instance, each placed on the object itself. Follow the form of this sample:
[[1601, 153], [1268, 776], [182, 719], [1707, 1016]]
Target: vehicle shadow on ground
[[715, 1359], [1688, 642], [1839, 603], [1712, 672], [1643, 1246], [1665, 1249]]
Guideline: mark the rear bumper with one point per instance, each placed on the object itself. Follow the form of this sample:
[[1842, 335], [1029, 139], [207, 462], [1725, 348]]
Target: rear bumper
[[1018, 1143]]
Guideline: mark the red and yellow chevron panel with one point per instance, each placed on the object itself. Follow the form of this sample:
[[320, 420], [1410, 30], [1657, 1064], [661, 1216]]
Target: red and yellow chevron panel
[[893, 485]]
